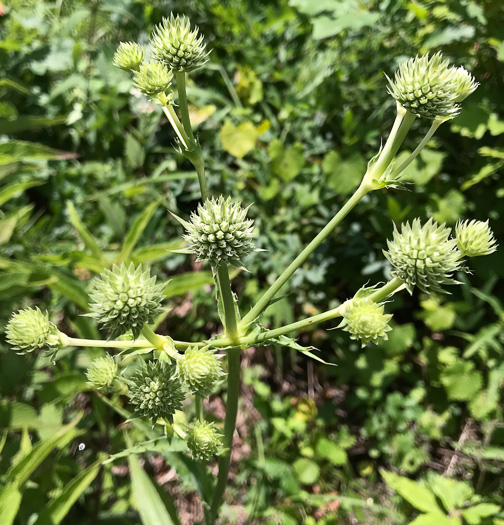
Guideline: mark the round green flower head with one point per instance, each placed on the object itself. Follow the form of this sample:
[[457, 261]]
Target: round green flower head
[[475, 238], [156, 391], [428, 87], [365, 320], [220, 232], [199, 369], [129, 56], [125, 299], [153, 79], [102, 372], [177, 46], [204, 441], [30, 329], [424, 256]]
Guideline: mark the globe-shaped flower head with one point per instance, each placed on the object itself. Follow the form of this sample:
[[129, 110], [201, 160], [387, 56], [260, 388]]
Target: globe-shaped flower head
[[220, 232], [177, 46], [365, 320], [428, 87], [199, 369], [204, 441], [102, 372], [30, 329], [475, 238], [424, 256], [153, 79], [156, 391], [129, 56], [125, 299]]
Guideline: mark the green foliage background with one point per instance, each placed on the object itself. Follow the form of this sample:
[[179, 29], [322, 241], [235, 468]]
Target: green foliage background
[[290, 108]]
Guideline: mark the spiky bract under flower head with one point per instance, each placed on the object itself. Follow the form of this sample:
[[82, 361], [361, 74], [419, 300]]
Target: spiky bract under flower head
[[220, 232], [204, 441], [365, 320], [156, 391], [428, 87], [30, 329], [129, 56], [475, 238], [199, 369], [125, 299], [102, 372], [177, 46], [153, 79], [424, 256]]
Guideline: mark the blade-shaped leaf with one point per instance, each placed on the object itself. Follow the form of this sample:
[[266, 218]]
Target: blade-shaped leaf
[[10, 500], [18, 150], [14, 189]]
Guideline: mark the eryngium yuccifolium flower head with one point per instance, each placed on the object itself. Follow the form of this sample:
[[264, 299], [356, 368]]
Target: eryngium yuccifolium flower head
[[129, 56], [220, 232], [156, 391], [204, 441], [475, 238], [428, 87], [102, 372], [424, 256], [365, 320], [152, 79], [199, 369], [177, 46], [125, 299], [30, 329]]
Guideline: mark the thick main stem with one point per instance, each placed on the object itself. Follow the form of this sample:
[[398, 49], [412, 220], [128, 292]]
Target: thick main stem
[[176, 125], [182, 100], [264, 300], [228, 302]]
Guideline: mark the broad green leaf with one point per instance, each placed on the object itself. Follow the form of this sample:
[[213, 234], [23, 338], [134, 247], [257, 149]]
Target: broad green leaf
[[134, 151], [86, 236], [329, 450], [238, 140], [17, 415], [426, 166], [187, 282], [461, 381], [453, 494], [16, 188], [56, 510], [18, 150], [286, 163], [474, 515], [10, 500], [307, 471], [148, 502], [435, 518], [414, 493], [135, 232], [343, 175]]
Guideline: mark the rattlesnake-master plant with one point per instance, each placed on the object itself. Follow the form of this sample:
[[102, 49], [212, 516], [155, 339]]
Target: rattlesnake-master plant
[[125, 300]]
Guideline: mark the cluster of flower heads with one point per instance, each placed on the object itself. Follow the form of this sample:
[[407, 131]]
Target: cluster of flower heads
[[176, 47], [428, 87]]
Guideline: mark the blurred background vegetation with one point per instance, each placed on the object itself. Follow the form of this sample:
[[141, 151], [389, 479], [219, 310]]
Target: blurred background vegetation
[[289, 110]]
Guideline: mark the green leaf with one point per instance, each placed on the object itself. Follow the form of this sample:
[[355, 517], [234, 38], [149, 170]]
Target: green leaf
[[18, 150], [473, 515], [187, 282], [134, 151], [435, 518], [453, 494], [10, 501], [286, 163], [343, 176], [90, 242], [418, 496], [331, 451], [461, 381], [426, 166], [238, 140], [9, 126], [148, 502], [14, 189], [70, 288], [154, 252], [58, 508], [159, 445], [307, 471], [136, 231]]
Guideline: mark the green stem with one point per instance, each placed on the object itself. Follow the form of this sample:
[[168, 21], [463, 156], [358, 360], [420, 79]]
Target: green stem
[[228, 302], [157, 341], [233, 393], [387, 290], [196, 157], [98, 343], [176, 125], [182, 100], [198, 403], [264, 300], [435, 125]]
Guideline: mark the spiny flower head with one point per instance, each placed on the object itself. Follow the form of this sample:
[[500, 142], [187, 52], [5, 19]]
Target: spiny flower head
[[125, 299], [153, 79], [475, 238], [199, 369], [204, 441], [129, 56], [102, 372], [428, 87], [424, 256], [156, 391], [365, 319], [220, 232], [30, 329], [177, 46]]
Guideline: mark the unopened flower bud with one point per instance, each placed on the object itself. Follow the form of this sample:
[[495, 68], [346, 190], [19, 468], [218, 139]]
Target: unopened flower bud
[[156, 391], [129, 56], [424, 256], [220, 232], [30, 329], [428, 87], [199, 369], [365, 320], [177, 46], [153, 79], [475, 238], [125, 299], [204, 441], [102, 372]]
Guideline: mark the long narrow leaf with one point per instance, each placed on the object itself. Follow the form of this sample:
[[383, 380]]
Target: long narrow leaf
[[14, 189], [10, 500]]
